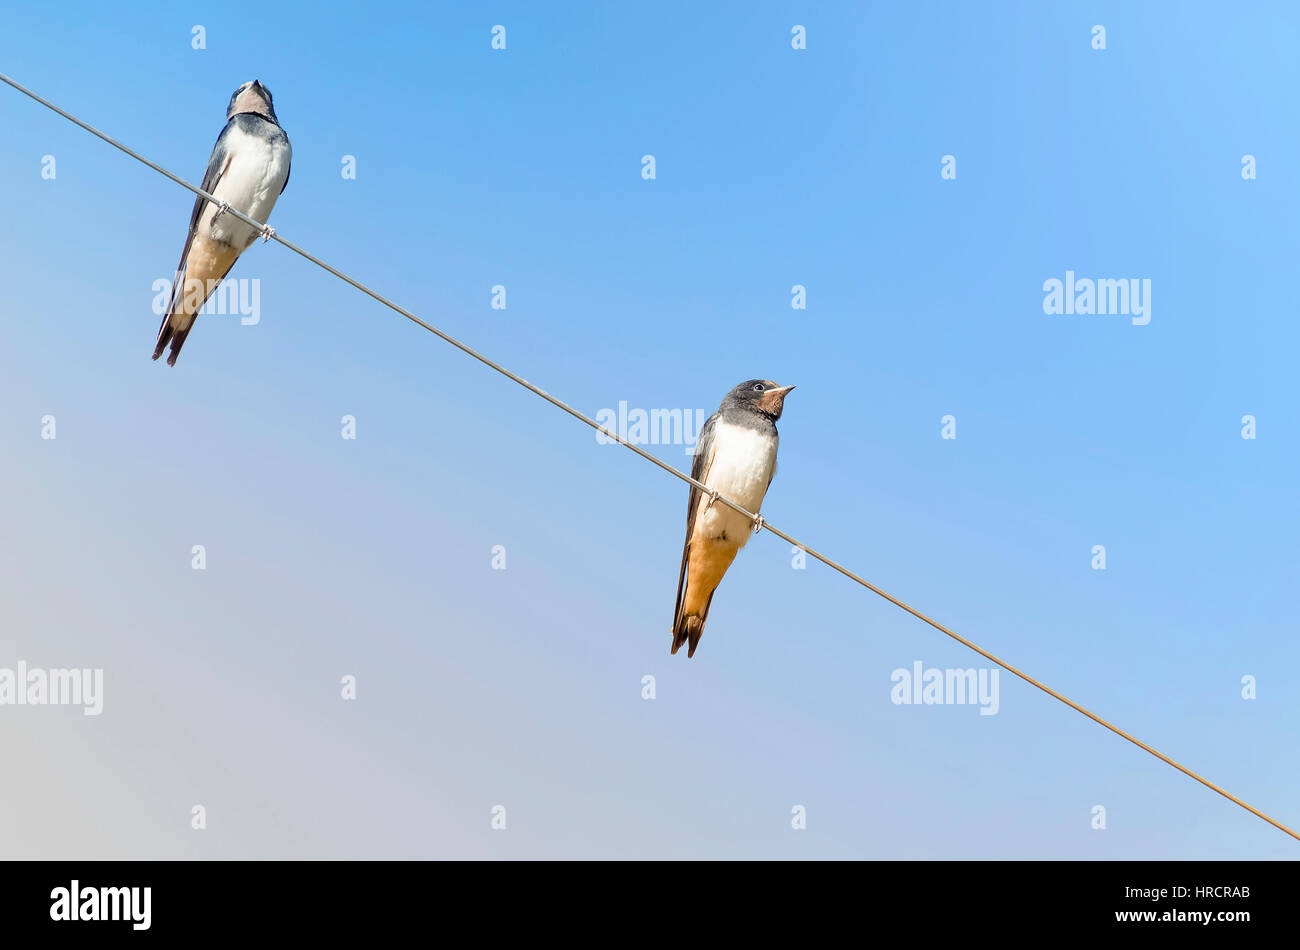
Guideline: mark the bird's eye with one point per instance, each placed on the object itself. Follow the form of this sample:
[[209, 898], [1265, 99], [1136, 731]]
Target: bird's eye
[[758, 387]]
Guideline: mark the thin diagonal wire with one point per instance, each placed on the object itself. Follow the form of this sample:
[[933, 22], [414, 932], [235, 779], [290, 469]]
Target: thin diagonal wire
[[559, 404]]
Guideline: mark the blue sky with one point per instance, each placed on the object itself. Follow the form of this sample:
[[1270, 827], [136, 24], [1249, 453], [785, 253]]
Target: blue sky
[[522, 687]]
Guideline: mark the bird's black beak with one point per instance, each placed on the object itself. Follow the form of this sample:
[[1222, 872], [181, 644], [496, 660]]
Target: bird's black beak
[[782, 392], [258, 85]]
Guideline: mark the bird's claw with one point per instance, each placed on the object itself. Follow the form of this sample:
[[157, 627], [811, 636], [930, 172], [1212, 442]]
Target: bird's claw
[[758, 523], [713, 497], [268, 232], [222, 208]]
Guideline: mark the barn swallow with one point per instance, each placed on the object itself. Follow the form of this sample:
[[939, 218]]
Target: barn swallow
[[736, 458], [248, 171]]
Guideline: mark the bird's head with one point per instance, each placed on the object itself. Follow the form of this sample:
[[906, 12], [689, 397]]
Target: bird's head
[[252, 97], [759, 395]]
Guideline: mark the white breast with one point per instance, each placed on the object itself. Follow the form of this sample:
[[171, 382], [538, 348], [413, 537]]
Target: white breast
[[251, 184], [743, 462]]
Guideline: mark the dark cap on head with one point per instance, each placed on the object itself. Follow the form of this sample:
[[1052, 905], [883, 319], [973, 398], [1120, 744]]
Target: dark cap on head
[[758, 395]]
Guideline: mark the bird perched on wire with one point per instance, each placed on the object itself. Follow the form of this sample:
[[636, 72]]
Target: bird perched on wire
[[248, 171], [736, 458]]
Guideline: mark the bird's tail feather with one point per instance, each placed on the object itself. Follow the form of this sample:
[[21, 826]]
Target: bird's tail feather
[[164, 336], [688, 628], [170, 333], [178, 340], [204, 268]]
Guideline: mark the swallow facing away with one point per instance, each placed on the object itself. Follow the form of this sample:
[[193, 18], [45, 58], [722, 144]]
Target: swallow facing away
[[248, 170], [736, 458]]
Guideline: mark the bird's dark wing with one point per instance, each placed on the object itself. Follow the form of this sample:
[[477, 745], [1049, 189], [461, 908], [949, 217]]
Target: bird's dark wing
[[704, 452], [288, 171], [217, 165], [218, 162]]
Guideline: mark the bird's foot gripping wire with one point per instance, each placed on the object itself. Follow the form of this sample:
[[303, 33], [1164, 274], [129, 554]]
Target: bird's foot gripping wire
[[222, 208], [713, 496], [267, 232], [758, 523]]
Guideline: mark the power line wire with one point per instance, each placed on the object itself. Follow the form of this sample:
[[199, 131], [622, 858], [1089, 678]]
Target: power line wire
[[269, 233]]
